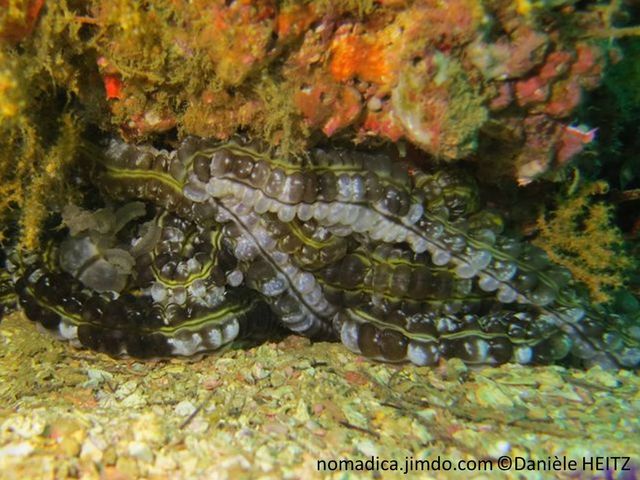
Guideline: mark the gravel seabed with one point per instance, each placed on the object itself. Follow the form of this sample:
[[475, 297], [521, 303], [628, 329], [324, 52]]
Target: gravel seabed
[[277, 409]]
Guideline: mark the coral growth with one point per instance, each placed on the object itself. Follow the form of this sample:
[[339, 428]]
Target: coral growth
[[446, 76], [18, 18], [580, 235]]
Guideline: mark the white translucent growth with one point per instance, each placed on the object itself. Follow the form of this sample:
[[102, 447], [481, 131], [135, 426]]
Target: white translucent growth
[[304, 282], [419, 354], [245, 249], [280, 258], [376, 233], [273, 287], [506, 294], [104, 276], [364, 221], [629, 357], [341, 230], [482, 350], [74, 252], [289, 270], [487, 283], [315, 295], [216, 188], [262, 204], [480, 259], [126, 213], [301, 322], [419, 245], [223, 216], [465, 270], [440, 257], [213, 297], [266, 241], [305, 212], [350, 214], [358, 189], [187, 345], [523, 355], [321, 210], [335, 213], [235, 278], [402, 235], [416, 210], [230, 330], [392, 234], [234, 204], [322, 308], [573, 315], [197, 288], [79, 220], [542, 296], [504, 271], [286, 213], [214, 338], [68, 331], [349, 336], [150, 235], [193, 265], [195, 192], [344, 187], [158, 292], [249, 196]]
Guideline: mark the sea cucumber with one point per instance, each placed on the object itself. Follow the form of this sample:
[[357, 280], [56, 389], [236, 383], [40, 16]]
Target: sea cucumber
[[399, 264]]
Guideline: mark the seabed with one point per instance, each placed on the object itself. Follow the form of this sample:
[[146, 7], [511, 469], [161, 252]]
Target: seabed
[[275, 410]]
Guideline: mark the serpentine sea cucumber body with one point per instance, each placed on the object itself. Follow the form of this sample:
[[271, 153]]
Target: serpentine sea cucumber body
[[398, 265]]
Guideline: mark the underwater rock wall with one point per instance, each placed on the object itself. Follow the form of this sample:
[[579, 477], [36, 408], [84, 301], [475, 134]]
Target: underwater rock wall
[[449, 77]]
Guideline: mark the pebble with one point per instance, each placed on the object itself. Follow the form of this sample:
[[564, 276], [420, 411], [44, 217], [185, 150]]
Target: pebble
[[90, 451], [148, 428], [127, 466], [70, 447], [498, 448], [24, 426], [184, 408], [598, 376], [490, 394], [21, 449], [141, 451]]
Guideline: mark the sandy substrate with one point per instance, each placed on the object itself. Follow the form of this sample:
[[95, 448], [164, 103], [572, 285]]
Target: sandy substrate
[[276, 410]]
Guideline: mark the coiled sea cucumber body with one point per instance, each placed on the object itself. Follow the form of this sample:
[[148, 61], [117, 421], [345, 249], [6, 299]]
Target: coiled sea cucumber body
[[340, 244]]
